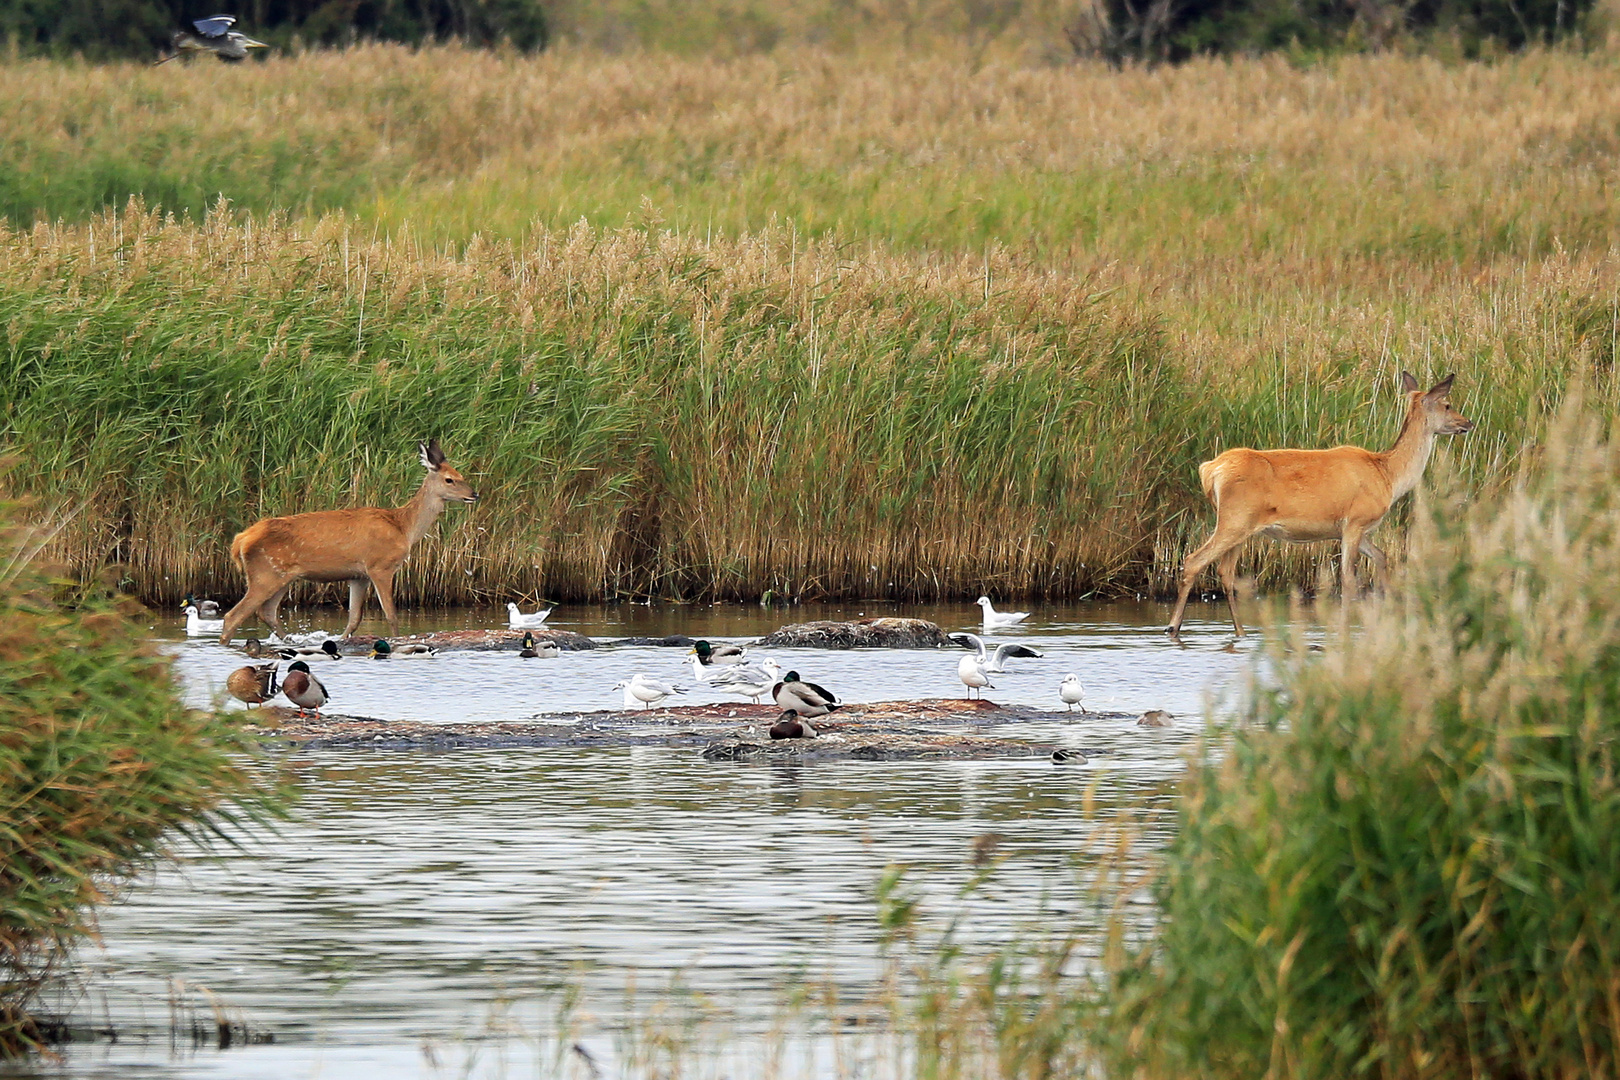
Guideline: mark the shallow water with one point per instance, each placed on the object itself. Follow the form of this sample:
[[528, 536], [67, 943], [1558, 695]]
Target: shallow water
[[419, 916]]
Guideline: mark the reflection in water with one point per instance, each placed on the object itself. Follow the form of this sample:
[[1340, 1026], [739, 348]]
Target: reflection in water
[[419, 895]]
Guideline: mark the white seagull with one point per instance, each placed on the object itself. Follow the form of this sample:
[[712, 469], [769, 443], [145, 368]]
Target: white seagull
[[749, 680], [995, 664], [996, 620], [516, 620], [197, 626], [1072, 692], [970, 669], [646, 692]]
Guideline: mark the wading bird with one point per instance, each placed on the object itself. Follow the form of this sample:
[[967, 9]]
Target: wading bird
[[996, 663], [254, 684], [1300, 496], [804, 698], [517, 620], [303, 689], [197, 626], [646, 692], [364, 546], [1072, 692], [998, 620], [214, 35]]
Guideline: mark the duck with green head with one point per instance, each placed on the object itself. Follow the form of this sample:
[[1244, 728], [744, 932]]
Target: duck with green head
[[533, 648], [803, 698], [303, 689], [382, 650], [708, 654]]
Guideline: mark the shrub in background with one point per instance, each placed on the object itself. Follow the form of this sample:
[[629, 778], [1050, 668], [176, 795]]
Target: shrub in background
[[100, 767], [1406, 861]]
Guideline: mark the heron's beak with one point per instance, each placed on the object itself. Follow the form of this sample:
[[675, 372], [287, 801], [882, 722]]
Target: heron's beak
[[249, 43]]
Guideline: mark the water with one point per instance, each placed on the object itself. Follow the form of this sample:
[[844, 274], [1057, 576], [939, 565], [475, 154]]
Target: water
[[420, 915]]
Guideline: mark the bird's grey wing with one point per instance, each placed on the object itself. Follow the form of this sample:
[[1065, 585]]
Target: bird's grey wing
[[967, 641], [1012, 648], [216, 26]]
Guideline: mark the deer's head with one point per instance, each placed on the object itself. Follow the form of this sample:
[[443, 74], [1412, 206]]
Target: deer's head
[[1434, 405], [443, 482]]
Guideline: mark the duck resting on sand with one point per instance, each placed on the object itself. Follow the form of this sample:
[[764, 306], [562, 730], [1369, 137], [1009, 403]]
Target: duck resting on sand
[[254, 684], [532, 648], [804, 698], [722, 655], [382, 650], [790, 726], [303, 689]]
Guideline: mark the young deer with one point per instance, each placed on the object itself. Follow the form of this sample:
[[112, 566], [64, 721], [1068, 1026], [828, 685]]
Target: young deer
[[364, 546], [1305, 495]]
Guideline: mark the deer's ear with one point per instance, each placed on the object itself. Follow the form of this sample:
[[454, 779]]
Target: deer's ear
[[432, 456], [1441, 388], [1408, 384]]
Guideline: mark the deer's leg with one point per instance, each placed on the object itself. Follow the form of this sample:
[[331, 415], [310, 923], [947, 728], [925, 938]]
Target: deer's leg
[[259, 591], [358, 587], [1349, 549], [1226, 567], [384, 584], [1379, 560], [270, 609], [1226, 538]]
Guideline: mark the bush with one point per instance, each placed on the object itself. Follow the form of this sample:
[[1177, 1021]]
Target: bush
[[1406, 863], [99, 767]]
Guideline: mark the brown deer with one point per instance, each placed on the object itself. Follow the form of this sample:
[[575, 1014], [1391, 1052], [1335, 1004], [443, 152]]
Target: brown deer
[[1305, 495], [364, 546]]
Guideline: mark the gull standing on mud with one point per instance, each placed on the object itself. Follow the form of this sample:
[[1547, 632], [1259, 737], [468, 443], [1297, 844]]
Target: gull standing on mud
[[646, 692], [751, 680], [970, 669], [1072, 692], [996, 664], [997, 620]]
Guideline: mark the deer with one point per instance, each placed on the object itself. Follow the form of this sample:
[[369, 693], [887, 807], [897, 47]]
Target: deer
[[1301, 496], [364, 546]]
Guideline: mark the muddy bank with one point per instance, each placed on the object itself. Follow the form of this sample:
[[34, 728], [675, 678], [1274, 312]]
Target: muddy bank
[[881, 633], [880, 731]]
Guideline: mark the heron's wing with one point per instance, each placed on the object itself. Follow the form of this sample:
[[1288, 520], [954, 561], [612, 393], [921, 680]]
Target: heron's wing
[[967, 641], [214, 27], [1012, 648]]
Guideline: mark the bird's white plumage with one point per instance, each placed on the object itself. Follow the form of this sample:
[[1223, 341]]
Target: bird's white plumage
[[1072, 692], [994, 620], [197, 626], [749, 680], [517, 620], [970, 669], [640, 690], [996, 662]]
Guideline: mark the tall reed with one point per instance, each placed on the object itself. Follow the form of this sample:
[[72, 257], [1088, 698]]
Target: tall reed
[[1403, 861]]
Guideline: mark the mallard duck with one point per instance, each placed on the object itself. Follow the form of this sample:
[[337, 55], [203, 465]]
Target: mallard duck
[[970, 669], [995, 620], [1072, 692], [1156, 718], [255, 648], [516, 620], [254, 684], [197, 626], [805, 698], [382, 650], [791, 726], [327, 650], [646, 692], [719, 654], [993, 664], [1069, 757], [303, 689], [749, 680], [208, 609], [532, 648]]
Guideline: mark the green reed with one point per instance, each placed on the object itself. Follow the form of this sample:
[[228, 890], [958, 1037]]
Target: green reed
[[100, 768]]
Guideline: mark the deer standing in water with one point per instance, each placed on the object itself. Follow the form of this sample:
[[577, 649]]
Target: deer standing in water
[[364, 546], [1305, 495]]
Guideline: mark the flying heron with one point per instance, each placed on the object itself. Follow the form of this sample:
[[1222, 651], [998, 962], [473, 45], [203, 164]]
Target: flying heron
[[216, 36]]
